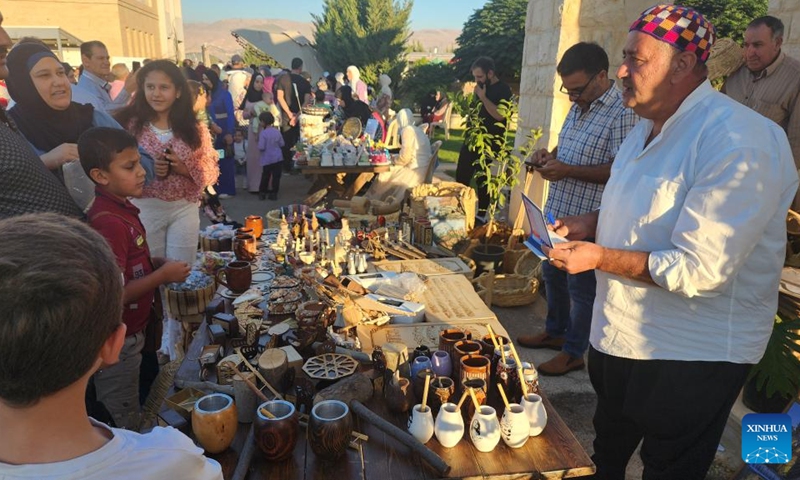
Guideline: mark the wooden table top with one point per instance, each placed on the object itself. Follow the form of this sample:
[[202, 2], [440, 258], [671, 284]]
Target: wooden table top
[[346, 169], [555, 453]]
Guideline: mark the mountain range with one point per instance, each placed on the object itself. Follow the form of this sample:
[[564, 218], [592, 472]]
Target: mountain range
[[221, 44]]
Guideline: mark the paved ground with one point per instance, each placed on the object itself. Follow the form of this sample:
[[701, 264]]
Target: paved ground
[[572, 395]]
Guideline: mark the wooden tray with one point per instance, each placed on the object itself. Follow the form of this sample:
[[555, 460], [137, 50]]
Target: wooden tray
[[451, 298], [330, 366], [428, 267]]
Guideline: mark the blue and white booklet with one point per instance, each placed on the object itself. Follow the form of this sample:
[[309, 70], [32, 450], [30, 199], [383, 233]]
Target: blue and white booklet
[[540, 235]]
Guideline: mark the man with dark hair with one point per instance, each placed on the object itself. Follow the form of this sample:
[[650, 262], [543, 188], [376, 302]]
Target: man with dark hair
[[490, 91], [690, 242], [93, 88], [292, 92], [26, 186], [578, 169], [63, 295], [769, 81]]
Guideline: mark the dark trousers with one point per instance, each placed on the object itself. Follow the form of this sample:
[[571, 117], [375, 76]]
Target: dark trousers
[[677, 409], [271, 173], [290, 138], [465, 172]]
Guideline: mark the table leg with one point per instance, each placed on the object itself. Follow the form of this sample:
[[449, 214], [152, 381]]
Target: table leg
[[359, 182]]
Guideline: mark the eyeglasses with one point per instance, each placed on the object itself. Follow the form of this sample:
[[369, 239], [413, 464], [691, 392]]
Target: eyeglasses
[[578, 91]]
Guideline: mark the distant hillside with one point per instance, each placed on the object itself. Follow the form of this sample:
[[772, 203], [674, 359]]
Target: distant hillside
[[222, 44]]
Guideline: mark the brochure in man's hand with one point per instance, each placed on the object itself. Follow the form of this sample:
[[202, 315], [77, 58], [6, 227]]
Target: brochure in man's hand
[[540, 235]]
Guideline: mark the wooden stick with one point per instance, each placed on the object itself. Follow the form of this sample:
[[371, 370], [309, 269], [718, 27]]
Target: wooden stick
[[247, 382], [248, 449], [267, 413], [405, 438], [522, 379], [512, 240], [491, 335], [425, 391], [503, 353], [461, 402], [503, 394], [474, 399], [257, 374]]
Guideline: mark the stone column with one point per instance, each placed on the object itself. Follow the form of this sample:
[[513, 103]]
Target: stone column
[[789, 12]]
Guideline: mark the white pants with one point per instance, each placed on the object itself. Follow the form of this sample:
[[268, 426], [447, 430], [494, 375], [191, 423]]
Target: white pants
[[172, 232]]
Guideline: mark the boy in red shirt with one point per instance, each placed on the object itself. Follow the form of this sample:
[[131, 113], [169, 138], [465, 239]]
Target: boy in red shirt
[[110, 157]]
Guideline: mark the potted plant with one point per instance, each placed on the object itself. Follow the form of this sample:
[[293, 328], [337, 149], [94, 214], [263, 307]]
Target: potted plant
[[775, 380], [499, 165]]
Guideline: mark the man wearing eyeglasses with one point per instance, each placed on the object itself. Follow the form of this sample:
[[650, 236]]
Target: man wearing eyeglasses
[[578, 168]]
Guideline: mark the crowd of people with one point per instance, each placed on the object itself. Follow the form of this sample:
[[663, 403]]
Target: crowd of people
[[673, 295]]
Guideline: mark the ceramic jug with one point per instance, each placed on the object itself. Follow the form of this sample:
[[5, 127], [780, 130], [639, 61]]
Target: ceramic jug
[[329, 429], [276, 437], [441, 363], [214, 422], [514, 427], [534, 410], [449, 426], [420, 423], [484, 429]]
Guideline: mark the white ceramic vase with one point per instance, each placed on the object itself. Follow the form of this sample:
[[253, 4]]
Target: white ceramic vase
[[420, 423], [514, 426], [534, 410], [449, 427], [484, 429]]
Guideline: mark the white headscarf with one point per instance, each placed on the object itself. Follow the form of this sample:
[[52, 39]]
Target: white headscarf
[[404, 118], [385, 82]]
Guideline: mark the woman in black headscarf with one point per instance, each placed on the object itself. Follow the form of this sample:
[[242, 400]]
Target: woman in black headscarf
[[47, 116], [353, 107]]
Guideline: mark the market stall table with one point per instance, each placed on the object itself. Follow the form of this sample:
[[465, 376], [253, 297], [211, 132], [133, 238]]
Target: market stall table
[[328, 177]]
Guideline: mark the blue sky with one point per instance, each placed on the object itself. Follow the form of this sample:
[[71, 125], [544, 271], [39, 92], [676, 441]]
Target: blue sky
[[425, 13]]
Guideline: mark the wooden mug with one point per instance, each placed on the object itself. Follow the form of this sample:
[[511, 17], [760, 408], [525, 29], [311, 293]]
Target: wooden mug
[[329, 429]]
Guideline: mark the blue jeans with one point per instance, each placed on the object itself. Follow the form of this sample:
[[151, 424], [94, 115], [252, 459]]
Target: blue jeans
[[569, 307]]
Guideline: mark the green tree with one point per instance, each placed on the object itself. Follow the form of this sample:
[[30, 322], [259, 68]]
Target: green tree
[[416, 46], [729, 17], [370, 34], [496, 30], [421, 78]]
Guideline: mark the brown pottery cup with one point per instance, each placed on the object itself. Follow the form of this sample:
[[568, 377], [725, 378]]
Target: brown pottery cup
[[479, 388], [244, 247], [276, 437], [475, 366], [214, 422], [237, 276], [256, 223], [448, 338], [488, 346], [461, 348], [442, 391], [329, 429]]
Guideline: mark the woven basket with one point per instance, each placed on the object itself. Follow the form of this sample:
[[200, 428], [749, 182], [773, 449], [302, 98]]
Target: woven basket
[[355, 218], [188, 303], [274, 216], [529, 265], [467, 199], [512, 256], [724, 59], [513, 290], [483, 287]]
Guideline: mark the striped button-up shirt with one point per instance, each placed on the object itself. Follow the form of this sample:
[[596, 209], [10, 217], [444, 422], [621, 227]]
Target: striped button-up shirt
[[773, 92], [589, 138], [93, 90]]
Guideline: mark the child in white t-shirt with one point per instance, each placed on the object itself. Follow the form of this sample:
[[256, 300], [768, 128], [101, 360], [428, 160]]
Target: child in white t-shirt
[[240, 155]]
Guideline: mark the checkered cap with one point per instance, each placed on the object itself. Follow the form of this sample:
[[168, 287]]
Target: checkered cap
[[682, 27]]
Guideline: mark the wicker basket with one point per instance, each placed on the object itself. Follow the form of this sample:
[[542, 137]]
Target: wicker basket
[[529, 265], [724, 59], [356, 219], [274, 216], [483, 287], [513, 290], [189, 304], [512, 256], [215, 244], [467, 199]]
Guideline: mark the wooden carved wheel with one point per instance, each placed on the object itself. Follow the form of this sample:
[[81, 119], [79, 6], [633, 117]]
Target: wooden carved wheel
[[330, 366]]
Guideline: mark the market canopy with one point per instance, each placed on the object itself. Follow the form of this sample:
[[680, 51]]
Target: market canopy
[[283, 46], [54, 37]]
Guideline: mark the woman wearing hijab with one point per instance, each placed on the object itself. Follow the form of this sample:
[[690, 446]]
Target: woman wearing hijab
[[221, 111], [254, 95], [48, 118], [353, 107], [358, 85]]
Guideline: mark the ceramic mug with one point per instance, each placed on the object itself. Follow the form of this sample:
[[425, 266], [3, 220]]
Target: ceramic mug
[[420, 423], [484, 429], [488, 346], [474, 366], [536, 413], [507, 375], [478, 386], [214, 422], [256, 223], [449, 425], [442, 390], [448, 338], [329, 429], [244, 247], [419, 380], [276, 437], [237, 276], [441, 363], [420, 363], [514, 427], [461, 348]]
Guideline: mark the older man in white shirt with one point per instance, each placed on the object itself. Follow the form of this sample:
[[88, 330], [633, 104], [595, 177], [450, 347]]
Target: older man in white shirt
[[690, 240], [93, 87]]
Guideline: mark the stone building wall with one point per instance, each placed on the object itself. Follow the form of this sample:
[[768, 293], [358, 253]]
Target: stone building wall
[[789, 12]]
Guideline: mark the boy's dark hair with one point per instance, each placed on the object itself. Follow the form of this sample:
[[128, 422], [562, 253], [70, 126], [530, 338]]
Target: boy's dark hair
[[774, 24], [266, 118], [586, 57], [98, 146], [319, 95], [297, 63], [484, 63], [86, 47], [61, 292]]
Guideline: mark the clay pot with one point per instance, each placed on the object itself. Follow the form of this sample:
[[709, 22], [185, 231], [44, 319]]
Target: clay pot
[[442, 391], [488, 346], [535, 412], [420, 363], [237, 276], [244, 247], [449, 426], [329, 429], [424, 375], [514, 427], [479, 387], [214, 422], [448, 339], [256, 223], [276, 437], [441, 364], [420, 423], [399, 395], [421, 350], [484, 429], [474, 366], [461, 348]]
